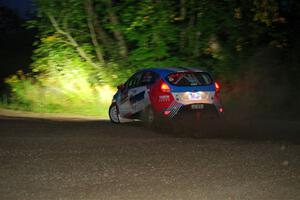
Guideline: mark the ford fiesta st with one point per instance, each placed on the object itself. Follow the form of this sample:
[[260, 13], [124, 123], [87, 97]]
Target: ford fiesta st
[[166, 93]]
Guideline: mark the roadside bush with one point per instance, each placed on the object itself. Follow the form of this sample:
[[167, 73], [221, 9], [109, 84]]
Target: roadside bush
[[65, 91]]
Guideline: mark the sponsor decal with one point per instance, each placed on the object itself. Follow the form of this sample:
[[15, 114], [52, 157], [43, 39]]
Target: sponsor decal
[[164, 98], [139, 97], [174, 108]]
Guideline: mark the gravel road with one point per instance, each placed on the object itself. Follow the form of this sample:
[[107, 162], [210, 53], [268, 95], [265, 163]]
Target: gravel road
[[72, 159]]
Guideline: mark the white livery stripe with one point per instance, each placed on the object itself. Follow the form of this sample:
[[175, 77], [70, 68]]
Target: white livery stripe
[[174, 108]]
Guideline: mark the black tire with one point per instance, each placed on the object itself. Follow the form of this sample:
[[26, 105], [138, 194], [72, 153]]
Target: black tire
[[113, 113]]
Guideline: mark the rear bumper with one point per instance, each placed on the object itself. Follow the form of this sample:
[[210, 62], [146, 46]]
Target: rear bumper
[[178, 111]]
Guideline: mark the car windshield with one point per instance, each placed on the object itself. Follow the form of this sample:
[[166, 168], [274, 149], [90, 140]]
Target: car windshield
[[189, 78]]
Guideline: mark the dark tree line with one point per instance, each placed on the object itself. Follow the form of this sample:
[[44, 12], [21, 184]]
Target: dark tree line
[[133, 34], [250, 45]]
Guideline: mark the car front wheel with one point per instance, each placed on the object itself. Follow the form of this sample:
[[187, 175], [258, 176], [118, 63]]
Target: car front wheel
[[114, 114]]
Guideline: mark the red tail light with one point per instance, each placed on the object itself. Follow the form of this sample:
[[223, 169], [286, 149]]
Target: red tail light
[[167, 112], [165, 88], [217, 86], [221, 110]]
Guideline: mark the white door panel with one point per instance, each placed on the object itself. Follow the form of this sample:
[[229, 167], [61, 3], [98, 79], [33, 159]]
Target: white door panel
[[124, 104], [137, 98]]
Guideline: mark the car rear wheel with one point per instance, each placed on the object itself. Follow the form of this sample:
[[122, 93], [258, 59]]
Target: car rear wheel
[[148, 117], [114, 114]]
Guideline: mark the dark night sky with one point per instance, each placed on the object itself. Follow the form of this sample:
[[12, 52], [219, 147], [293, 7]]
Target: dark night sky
[[21, 6], [16, 47]]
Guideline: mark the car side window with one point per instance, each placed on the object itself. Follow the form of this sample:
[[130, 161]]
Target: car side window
[[134, 81], [148, 78]]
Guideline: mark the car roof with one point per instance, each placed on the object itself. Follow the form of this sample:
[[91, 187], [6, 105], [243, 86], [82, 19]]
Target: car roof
[[168, 70]]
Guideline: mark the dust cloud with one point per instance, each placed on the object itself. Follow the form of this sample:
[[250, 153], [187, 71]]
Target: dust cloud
[[262, 103]]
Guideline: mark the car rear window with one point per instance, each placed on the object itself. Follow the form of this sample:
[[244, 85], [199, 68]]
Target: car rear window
[[189, 78], [148, 78]]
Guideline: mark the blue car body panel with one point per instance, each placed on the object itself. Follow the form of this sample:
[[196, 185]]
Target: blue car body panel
[[141, 96]]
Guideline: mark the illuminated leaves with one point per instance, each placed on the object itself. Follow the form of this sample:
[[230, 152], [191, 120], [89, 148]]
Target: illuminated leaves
[[267, 12], [237, 13], [50, 38], [136, 34]]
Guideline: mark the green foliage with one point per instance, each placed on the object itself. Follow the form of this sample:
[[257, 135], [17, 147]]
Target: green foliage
[[60, 82], [208, 34], [152, 31], [66, 91], [84, 45]]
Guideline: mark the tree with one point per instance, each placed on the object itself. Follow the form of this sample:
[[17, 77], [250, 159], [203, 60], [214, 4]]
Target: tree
[[101, 42]]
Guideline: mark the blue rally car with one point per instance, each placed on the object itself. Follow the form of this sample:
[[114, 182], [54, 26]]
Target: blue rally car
[[166, 93]]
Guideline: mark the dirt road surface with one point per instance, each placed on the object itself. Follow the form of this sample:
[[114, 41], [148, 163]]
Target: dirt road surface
[[90, 159]]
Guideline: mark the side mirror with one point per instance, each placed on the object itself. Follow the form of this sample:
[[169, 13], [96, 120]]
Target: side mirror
[[121, 87]]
